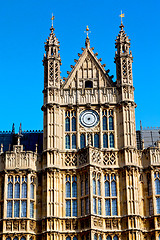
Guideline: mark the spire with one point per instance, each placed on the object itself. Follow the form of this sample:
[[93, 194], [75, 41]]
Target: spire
[[123, 57], [52, 44], [87, 42], [52, 60]]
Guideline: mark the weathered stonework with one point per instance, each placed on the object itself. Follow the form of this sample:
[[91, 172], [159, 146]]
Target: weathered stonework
[[87, 87]]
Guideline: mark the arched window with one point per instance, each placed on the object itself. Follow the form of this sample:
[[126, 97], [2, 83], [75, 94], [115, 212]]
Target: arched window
[[8, 238], [111, 127], [159, 237], [88, 84], [96, 140], [111, 140], [24, 190], [107, 188], [10, 190], [23, 238], [99, 187], [32, 191], [109, 238], [95, 236], [73, 124], [74, 187], [105, 140], [17, 190], [73, 141], [15, 238], [100, 237], [68, 238], [113, 186], [68, 189], [115, 238], [67, 141], [74, 238], [67, 124], [104, 123], [94, 186], [82, 141]]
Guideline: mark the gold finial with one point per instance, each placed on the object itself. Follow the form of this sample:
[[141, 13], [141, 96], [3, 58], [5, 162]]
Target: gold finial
[[122, 15], [87, 31], [52, 19]]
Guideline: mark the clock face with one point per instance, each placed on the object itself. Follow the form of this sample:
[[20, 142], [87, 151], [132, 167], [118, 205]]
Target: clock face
[[89, 118]]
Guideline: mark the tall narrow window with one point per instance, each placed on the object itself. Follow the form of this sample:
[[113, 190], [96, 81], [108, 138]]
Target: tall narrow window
[[73, 141], [109, 238], [108, 128], [157, 190], [115, 238], [95, 236], [68, 208], [104, 123], [94, 186], [110, 194], [16, 208], [17, 187], [73, 124], [99, 187], [105, 140], [67, 124], [96, 140], [68, 187], [111, 127], [10, 187], [94, 205], [74, 208], [67, 141], [9, 208], [31, 209], [71, 196], [99, 206], [74, 186], [24, 187], [82, 141], [32, 191], [23, 208], [86, 185], [111, 140]]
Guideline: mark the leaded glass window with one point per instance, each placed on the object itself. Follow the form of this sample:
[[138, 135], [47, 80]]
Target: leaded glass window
[[157, 191], [16, 208], [74, 208], [105, 140], [82, 141], [73, 141], [24, 208], [67, 139], [96, 140], [31, 209], [9, 208], [110, 185], [111, 127], [111, 140], [71, 195]]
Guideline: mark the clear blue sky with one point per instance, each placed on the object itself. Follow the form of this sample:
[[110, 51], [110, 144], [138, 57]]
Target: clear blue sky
[[25, 26]]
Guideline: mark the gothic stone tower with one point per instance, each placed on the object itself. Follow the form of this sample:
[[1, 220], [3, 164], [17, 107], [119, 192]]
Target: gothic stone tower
[[94, 179]]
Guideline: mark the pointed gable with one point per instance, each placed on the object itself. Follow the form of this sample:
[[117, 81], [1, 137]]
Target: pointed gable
[[88, 72]]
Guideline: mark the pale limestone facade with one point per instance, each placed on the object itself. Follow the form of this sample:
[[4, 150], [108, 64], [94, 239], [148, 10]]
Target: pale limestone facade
[[115, 183]]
